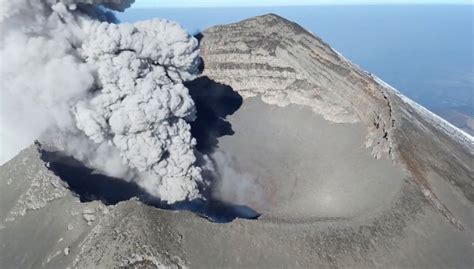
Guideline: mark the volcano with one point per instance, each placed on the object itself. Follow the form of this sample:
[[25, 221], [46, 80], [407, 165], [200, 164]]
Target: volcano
[[341, 170]]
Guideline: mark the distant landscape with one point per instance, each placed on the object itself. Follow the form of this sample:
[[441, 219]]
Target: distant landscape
[[423, 51]]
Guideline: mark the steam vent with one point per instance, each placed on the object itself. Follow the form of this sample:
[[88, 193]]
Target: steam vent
[[309, 162]]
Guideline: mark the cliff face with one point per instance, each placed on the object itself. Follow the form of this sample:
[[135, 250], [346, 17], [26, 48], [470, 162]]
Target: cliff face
[[285, 64], [412, 208]]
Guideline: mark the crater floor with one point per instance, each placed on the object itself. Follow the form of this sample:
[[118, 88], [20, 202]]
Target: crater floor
[[289, 163]]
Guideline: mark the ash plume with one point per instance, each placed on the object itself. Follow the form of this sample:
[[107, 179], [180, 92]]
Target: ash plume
[[110, 95]]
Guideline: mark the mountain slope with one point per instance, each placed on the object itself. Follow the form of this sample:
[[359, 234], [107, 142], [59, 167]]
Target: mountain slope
[[325, 200]]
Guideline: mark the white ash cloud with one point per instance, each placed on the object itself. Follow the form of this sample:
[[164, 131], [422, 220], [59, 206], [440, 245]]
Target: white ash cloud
[[111, 95]]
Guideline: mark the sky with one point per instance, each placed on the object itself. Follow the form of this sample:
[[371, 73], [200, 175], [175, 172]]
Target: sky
[[233, 3]]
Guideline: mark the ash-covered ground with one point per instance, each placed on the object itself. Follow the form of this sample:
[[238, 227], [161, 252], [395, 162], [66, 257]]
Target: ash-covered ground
[[260, 146]]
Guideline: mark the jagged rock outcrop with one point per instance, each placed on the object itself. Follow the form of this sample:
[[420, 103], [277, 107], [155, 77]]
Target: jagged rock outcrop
[[425, 220], [282, 62]]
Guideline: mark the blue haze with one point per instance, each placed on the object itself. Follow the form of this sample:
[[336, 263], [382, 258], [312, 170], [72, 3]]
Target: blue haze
[[424, 51]]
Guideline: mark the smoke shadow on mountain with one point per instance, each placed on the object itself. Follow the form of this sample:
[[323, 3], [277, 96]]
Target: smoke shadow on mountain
[[217, 211], [214, 102], [88, 186]]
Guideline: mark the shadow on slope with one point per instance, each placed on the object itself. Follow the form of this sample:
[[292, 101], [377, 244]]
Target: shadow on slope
[[89, 186], [214, 102]]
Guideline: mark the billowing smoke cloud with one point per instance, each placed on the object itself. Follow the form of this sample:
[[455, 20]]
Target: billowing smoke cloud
[[111, 95]]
